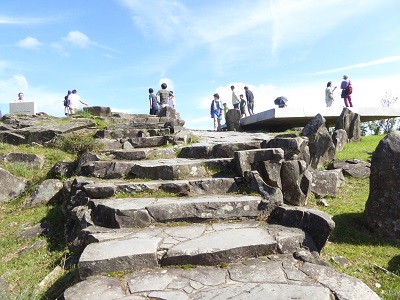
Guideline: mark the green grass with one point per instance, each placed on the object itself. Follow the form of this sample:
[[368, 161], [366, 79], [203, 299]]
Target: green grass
[[361, 150]]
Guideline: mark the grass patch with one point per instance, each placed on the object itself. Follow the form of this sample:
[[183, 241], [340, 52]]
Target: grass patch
[[362, 150], [146, 194], [76, 143]]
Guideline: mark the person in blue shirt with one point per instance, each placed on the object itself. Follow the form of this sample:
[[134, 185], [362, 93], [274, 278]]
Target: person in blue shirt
[[153, 102], [216, 112]]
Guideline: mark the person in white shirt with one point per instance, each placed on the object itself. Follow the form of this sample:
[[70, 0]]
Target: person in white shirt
[[171, 100], [74, 100], [329, 94]]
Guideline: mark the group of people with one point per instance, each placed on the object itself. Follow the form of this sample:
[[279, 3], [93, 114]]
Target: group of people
[[346, 88], [217, 108], [161, 99], [71, 102]]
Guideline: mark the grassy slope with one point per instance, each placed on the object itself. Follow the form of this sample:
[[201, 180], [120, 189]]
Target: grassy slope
[[24, 270], [351, 239]]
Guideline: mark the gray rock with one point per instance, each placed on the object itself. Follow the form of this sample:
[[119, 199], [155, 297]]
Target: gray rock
[[228, 150], [353, 168], [339, 138], [99, 189], [257, 273], [270, 172], [84, 161], [382, 210], [49, 191], [196, 151], [317, 224], [296, 182], [63, 170], [322, 149], [11, 186], [343, 286], [30, 160], [248, 160], [292, 145], [99, 111], [34, 231], [118, 256], [350, 122], [127, 146], [148, 142], [95, 288], [12, 138], [233, 120], [326, 182], [110, 144]]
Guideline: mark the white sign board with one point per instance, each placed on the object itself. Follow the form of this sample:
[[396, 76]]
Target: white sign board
[[27, 108]]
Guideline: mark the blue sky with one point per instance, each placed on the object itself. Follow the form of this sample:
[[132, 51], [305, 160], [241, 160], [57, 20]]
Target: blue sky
[[113, 51]]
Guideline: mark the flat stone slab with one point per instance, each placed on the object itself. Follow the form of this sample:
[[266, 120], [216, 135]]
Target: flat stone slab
[[115, 250], [96, 188], [277, 277], [139, 154], [165, 169], [131, 212], [118, 256]]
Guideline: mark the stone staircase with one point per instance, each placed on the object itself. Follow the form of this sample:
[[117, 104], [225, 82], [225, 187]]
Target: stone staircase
[[205, 240]]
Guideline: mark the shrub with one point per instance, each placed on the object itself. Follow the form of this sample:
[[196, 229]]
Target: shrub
[[76, 143]]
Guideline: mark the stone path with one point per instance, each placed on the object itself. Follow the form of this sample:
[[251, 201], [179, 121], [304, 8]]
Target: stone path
[[208, 242]]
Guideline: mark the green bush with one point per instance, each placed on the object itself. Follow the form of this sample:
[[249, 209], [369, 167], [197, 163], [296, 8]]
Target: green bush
[[76, 143]]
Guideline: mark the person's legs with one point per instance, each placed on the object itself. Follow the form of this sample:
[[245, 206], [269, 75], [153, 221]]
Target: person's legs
[[219, 124], [251, 108], [215, 123], [349, 100]]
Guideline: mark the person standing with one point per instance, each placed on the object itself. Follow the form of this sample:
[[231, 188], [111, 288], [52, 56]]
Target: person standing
[[171, 100], [20, 97], [345, 93], [250, 100], [74, 100], [242, 106], [235, 99], [163, 95], [225, 109], [329, 94], [216, 112], [66, 104], [153, 103]]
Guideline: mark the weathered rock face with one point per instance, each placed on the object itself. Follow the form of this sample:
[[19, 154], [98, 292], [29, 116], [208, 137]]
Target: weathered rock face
[[233, 120], [321, 146], [293, 146], [296, 182], [11, 186], [350, 122], [339, 138], [48, 191], [99, 111], [382, 210], [248, 160], [326, 182], [30, 160]]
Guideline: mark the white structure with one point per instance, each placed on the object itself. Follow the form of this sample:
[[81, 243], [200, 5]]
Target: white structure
[[27, 108]]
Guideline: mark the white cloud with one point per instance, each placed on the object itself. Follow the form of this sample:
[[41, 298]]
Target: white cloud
[[376, 62], [29, 43], [77, 39], [21, 21]]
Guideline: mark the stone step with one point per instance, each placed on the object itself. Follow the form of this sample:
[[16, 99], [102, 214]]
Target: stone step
[[97, 188], [121, 250], [141, 153], [131, 212], [166, 169], [273, 277]]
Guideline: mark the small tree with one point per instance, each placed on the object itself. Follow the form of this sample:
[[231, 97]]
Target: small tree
[[382, 126]]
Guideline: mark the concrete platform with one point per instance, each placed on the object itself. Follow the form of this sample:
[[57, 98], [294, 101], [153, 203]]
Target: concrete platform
[[281, 119]]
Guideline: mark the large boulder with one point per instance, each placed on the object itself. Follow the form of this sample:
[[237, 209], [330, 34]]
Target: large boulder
[[293, 146], [382, 210], [322, 149], [350, 122], [11, 186], [248, 160], [233, 120], [296, 182]]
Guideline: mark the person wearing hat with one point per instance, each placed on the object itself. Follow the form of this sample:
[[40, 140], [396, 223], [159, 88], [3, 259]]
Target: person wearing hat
[[329, 94], [66, 103], [346, 97]]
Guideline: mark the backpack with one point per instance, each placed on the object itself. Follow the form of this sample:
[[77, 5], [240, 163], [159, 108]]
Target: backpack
[[66, 101], [349, 89]]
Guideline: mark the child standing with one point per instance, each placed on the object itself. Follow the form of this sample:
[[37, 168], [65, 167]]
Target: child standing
[[242, 106]]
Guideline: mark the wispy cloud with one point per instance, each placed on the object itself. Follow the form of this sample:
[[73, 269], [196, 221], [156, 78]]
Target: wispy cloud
[[22, 21], [77, 39], [376, 62], [29, 43]]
